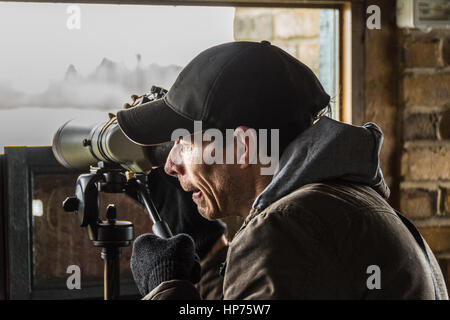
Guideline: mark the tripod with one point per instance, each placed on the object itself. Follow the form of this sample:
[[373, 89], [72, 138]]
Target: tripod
[[111, 235]]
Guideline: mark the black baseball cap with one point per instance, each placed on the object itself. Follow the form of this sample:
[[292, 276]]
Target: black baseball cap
[[254, 84]]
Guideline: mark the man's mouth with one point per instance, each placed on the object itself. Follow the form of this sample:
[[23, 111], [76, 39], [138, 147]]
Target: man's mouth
[[197, 194]]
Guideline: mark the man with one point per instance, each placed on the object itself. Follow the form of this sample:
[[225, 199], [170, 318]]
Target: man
[[317, 227]]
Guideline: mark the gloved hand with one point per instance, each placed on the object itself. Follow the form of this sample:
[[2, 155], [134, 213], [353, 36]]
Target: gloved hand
[[176, 207], [155, 260]]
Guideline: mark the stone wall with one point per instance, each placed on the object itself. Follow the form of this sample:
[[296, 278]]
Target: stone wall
[[294, 30]]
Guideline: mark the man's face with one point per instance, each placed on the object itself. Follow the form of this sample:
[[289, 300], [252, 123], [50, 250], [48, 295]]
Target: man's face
[[213, 186]]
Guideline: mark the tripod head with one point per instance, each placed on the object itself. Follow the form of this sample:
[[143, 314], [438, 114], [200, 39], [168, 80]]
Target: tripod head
[[110, 178], [111, 234]]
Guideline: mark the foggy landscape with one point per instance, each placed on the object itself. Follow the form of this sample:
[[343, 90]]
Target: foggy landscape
[[105, 90]]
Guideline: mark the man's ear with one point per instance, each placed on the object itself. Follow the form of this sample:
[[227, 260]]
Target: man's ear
[[246, 146]]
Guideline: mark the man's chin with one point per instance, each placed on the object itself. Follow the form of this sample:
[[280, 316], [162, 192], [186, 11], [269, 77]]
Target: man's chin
[[201, 210], [206, 213]]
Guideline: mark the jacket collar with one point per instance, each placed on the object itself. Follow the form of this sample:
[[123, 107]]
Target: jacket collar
[[328, 150]]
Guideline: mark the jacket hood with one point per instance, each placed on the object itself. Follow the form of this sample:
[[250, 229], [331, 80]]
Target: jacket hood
[[328, 150]]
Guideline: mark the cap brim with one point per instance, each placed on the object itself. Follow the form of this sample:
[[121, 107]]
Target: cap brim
[[152, 123]]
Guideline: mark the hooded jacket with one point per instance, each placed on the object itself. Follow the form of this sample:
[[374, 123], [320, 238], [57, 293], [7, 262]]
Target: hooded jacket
[[321, 229]]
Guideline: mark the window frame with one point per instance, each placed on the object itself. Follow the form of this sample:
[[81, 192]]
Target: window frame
[[3, 243]]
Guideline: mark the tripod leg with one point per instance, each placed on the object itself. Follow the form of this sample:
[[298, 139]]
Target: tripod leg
[[111, 255]]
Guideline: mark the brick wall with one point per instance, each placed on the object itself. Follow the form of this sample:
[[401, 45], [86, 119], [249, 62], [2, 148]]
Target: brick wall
[[424, 96]]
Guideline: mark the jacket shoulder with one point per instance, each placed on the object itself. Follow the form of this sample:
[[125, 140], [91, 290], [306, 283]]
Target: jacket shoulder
[[334, 194]]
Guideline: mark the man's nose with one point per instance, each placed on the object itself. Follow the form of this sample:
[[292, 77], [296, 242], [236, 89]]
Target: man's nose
[[171, 167]]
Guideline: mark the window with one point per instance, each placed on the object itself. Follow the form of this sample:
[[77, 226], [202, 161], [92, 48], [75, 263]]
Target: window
[[51, 71]]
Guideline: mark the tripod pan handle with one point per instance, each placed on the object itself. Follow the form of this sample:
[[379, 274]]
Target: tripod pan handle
[[161, 229]]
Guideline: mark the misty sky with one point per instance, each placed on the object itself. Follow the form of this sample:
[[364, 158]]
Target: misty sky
[[36, 46]]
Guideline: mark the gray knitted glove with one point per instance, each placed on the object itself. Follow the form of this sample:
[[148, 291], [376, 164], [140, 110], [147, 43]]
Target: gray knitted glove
[[155, 260]]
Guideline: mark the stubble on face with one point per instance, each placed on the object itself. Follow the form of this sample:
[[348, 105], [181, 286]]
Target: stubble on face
[[211, 189]]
